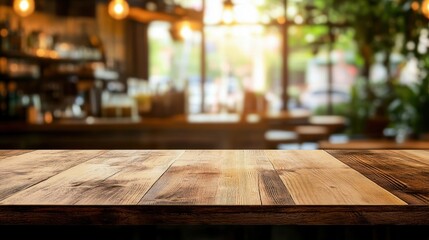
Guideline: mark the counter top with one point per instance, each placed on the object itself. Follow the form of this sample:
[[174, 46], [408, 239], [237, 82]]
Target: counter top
[[194, 121], [375, 144], [134, 187], [202, 131]]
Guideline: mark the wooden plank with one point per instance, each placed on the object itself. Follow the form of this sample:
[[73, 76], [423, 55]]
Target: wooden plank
[[10, 153], [192, 179], [22, 171], [418, 155], [247, 178], [116, 177], [122, 215], [271, 187], [315, 177], [373, 144], [397, 171], [219, 178]]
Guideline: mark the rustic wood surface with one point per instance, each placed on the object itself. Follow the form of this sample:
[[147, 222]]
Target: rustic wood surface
[[134, 187], [374, 144]]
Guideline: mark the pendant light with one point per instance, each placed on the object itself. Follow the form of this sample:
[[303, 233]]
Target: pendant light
[[228, 12], [23, 8], [118, 9]]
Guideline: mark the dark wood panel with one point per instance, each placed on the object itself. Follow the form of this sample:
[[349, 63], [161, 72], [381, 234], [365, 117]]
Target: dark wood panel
[[403, 174], [189, 215]]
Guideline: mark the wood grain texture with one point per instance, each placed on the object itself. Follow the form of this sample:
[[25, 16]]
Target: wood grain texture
[[403, 173], [22, 171], [10, 153], [373, 144], [219, 178], [315, 177], [116, 177], [137, 187]]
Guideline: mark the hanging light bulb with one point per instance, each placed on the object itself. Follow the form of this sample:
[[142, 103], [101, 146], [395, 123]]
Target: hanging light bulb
[[23, 7], [118, 9], [425, 8], [185, 30], [228, 12]]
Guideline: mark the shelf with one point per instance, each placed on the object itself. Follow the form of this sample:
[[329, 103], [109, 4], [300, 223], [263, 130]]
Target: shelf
[[22, 78], [44, 60]]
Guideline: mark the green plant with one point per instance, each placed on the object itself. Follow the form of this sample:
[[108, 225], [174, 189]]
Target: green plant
[[366, 105], [410, 107]]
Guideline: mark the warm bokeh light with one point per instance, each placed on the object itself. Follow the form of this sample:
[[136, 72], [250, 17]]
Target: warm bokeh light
[[298, 19], [281, 20], [292, 11], [246, 13], [309, 38], [23, 8], [425, 8], [118, 9], [415, 6], [228, 13], [273, 42], [185, 31]]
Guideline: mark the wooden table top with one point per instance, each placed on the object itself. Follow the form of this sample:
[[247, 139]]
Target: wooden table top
[[375, 144], [134, 187]]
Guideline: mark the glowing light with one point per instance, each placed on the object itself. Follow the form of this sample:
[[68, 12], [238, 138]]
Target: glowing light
[[292, 11], [415, 6], [293, 30], [281, 20], [309, 38], [186, 31], [411, 46], [273, 41], [425, 8], [265, 19], [118, 9], [298, 19], [228, 17], [23, 8], [228, 12], [246, 13], [48, 118]]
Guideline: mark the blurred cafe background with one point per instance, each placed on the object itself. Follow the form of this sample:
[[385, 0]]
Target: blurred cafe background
[[214, 74]]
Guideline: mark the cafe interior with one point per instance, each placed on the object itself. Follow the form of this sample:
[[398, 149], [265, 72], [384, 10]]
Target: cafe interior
[[218, 74], [103, 102]]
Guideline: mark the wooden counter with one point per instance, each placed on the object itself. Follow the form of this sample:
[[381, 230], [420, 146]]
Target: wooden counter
[[374, 144], [134, 187], [203, 131]]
